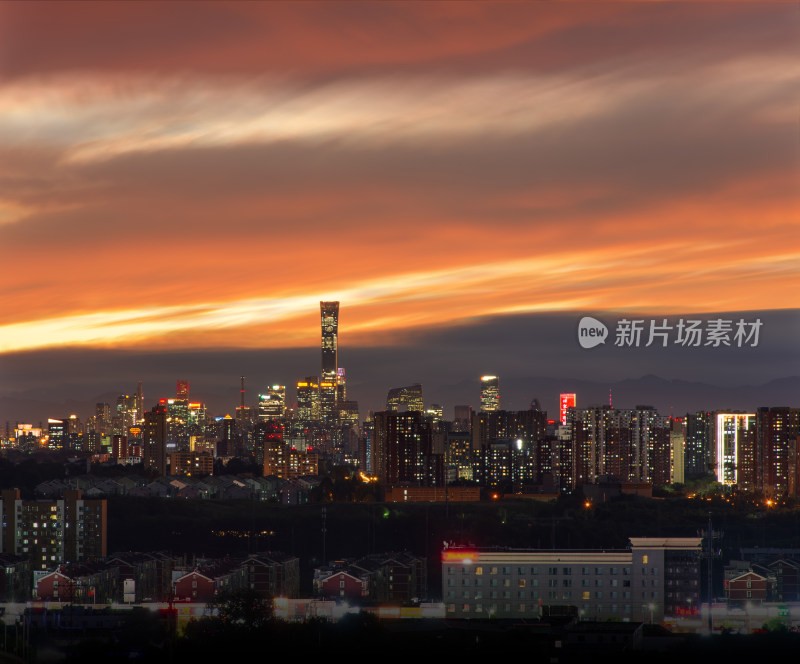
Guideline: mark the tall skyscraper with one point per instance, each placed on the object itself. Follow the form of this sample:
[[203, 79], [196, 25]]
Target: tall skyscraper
[[699, 442], [329, 380], [490, 393], [735, 460], [329, 313], [228, 438], [308, 399], [778, 437], [102, 418], [58, 430], [124, 415], [154, 439], [177, 422], [139, 403]]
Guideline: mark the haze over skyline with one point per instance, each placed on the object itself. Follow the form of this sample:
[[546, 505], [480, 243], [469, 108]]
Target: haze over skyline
[[189, 180]]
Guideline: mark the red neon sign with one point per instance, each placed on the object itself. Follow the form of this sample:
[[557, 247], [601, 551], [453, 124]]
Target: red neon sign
[[566, 401]]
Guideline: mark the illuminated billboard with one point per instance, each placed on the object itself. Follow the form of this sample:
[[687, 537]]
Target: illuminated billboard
[[566, 401]]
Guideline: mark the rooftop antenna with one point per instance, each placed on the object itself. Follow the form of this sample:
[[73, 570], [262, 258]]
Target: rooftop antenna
[[242, 393], [610, 404]]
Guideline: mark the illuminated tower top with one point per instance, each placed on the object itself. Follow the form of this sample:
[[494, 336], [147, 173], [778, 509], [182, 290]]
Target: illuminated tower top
[[329, 312]]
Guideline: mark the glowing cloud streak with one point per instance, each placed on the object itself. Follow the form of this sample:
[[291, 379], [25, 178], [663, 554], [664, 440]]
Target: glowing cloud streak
[[95, 119], [564, 277]]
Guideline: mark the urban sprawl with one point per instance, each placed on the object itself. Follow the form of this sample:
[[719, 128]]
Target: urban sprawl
[[54, 542]]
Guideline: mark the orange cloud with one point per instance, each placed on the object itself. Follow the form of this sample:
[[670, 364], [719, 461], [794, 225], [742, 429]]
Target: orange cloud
[[426, 164]]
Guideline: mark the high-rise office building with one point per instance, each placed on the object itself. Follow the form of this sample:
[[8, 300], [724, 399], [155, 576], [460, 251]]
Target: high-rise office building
[[182, 389], [154, 439], [308, 399], [401, 399], [272, 403], [58, 430], [124, 415], [329, 380], [490, 393], [462, 420], [178, 422], [341, 385], [228, 437], [102, 421], [435, 413], [348, 412]]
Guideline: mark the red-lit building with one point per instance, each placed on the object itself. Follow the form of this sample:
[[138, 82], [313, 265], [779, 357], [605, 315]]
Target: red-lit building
[[747, 587], [197, 586], [566, 401], [79, 584], [344, 585], [55, 587]]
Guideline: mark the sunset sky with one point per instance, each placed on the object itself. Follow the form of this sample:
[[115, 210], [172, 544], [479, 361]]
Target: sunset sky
[[196, 177]]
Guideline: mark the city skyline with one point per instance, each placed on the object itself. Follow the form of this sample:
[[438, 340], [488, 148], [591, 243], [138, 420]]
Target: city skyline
[[183, 184]]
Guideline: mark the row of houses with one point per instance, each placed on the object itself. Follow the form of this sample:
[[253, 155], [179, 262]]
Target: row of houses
[[389, 577], [158, 577], [128, 578], [296, 491]]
